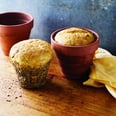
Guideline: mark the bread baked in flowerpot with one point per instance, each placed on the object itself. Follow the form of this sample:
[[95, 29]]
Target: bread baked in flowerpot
[[31, 59], [74, 48]]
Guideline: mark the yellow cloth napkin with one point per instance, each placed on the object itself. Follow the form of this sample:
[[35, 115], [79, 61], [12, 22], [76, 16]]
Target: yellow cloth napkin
[[103, 71]]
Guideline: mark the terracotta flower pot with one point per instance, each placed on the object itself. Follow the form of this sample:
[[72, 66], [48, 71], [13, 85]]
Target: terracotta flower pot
[[14, 27], [75, 61]]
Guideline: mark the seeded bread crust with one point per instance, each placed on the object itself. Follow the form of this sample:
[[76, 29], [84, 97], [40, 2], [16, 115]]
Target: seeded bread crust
[[33, 53]]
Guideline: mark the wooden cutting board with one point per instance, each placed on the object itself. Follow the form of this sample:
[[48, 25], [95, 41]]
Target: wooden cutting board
[[59, 97]]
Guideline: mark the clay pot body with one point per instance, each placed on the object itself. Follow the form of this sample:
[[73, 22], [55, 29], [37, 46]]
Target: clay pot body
[[75, 61], [14, 27]]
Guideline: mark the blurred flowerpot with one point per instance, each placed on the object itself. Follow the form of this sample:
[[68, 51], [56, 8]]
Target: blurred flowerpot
[[14, 27]]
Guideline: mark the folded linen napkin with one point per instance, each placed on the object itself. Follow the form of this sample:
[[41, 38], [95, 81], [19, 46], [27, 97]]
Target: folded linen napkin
[[103, 71]]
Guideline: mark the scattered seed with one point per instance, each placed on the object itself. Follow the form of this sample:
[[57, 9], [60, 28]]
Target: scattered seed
[[40, 94], [20, 96], [8, 100], [8, 95], [16, 97]]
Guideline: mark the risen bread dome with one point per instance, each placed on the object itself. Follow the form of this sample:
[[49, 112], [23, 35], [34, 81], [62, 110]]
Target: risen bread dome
[[74, 37], [32, 52]]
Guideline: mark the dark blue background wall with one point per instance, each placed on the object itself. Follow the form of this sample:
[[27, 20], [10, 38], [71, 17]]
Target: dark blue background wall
[[49, 15]]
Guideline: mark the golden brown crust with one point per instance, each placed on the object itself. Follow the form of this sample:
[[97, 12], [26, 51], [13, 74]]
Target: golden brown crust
[[74, 37], [32, 52]]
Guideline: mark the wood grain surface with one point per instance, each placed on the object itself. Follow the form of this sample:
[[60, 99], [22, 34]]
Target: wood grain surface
[[59, 97]]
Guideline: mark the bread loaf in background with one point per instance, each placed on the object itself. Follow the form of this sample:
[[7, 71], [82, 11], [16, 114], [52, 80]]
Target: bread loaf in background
[[74, 37]]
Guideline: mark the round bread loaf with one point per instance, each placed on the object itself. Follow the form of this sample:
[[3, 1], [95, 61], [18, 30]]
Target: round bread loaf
[[74, 37], [31, 59], [32, 52]]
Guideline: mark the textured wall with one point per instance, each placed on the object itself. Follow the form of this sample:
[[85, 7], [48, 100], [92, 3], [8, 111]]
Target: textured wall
[[49, 15]]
